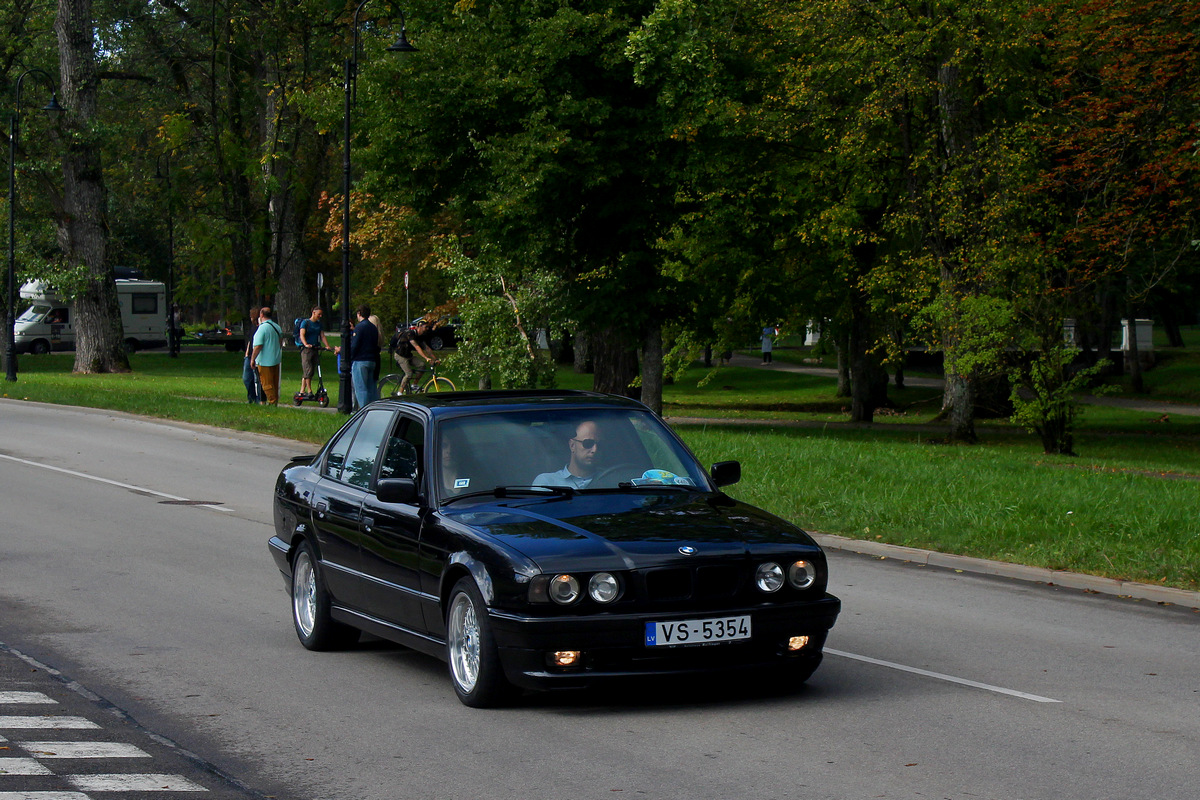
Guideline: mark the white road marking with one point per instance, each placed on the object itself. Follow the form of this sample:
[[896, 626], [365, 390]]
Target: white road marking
[[43, 796], [44, 750], [31, 698], [128, 486], [23, 766], [47, 723], [941, 677], [133, 783]]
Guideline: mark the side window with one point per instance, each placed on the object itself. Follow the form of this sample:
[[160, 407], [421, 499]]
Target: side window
[[144, 303], [402, 459], [360, 460], [335, 459]]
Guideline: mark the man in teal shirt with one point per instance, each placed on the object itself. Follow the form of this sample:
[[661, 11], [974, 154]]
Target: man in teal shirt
[[267, 355]]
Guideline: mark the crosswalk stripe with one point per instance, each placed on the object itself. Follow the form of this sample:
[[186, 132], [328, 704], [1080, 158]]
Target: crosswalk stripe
[[31, 698], [45, 750], [23, 766], [43, 796], [47, 723], [133, 783]]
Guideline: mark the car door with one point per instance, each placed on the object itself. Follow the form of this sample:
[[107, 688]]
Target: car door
[[391, 533], [346, 475]]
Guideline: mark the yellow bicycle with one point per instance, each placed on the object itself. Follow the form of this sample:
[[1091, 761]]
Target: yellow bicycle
[[389, 385]]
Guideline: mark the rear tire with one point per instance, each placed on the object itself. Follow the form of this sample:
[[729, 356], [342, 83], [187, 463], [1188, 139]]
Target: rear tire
[[389, 385], [471, 653], [315, 628]]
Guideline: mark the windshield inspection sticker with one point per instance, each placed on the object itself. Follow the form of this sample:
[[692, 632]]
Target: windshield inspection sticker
[[462, 483]]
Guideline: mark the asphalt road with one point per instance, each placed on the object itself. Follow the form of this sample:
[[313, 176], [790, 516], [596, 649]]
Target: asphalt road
[[133, 559]]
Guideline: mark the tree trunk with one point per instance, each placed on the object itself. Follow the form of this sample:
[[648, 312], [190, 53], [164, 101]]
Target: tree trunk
[[844, 386], [652, 369], [83, 227], [868, 380], [615, 363], [583, 352]]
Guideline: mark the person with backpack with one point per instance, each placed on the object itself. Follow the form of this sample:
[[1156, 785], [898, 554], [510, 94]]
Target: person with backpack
[[309, 338], [268, 354]]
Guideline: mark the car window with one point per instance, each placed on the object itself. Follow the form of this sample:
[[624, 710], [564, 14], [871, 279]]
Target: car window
[[360, 460], [402, 459], [596, 449], [33, 313], [335, 458]]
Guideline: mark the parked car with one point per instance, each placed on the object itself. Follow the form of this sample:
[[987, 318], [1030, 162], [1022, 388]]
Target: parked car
[[443, 331], [460, 525]]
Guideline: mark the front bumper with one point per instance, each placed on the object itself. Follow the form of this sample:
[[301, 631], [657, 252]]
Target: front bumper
[[613, 646]]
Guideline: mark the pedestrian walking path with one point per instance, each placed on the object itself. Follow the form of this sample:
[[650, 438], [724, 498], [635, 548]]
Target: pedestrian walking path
[[1149, 406]]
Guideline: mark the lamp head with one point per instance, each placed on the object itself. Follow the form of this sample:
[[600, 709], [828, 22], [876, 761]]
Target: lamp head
[[402, 44]]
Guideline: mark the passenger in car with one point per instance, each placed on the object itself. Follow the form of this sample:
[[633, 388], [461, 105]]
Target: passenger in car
[[585, 447]]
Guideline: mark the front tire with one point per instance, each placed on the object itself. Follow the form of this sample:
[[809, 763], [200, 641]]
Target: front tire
[[474, 664], [40, 347], [439, 384], [315, 628]]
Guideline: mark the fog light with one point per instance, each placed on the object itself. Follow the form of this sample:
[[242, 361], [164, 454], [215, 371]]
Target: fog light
[[797, 643], [565, 658]]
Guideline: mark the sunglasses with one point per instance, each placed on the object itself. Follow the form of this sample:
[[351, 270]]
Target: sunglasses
[[587, 444]]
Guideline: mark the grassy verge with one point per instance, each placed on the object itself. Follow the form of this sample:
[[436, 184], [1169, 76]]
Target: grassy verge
[[1106, 516], [1124, 509]]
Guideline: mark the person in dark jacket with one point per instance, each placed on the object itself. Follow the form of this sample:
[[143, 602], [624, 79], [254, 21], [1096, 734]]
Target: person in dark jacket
[[364, 351]]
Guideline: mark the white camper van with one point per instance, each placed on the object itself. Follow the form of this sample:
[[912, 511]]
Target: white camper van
[[49, 321]]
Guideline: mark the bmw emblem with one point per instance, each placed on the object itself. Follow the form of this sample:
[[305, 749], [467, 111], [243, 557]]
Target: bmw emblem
[[688, 550]]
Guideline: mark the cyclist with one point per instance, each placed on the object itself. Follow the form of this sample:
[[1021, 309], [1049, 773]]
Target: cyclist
[[406, 344]]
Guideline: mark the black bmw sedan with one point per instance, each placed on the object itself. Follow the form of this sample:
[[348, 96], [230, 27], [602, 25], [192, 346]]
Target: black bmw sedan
[[540, 540]]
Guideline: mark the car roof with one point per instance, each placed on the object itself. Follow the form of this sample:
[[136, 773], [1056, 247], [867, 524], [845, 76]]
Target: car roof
[[446, 404]]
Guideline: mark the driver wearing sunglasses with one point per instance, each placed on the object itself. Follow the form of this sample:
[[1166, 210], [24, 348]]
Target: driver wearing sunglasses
[[584, 447]]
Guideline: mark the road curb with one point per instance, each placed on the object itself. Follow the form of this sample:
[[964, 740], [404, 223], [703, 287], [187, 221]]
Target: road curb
[[1089, 583]]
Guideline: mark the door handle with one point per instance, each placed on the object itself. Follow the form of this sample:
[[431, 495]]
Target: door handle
[[368, 523]]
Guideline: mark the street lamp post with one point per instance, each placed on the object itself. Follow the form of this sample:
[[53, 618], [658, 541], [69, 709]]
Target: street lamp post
[[10, 351], [164, 174], [401, 45]]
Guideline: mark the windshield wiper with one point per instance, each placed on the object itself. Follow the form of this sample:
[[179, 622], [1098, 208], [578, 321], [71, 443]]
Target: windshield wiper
[[657, 487], [512, 491]]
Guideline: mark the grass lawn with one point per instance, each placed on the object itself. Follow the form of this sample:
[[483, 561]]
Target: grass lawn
[[1125, 508]]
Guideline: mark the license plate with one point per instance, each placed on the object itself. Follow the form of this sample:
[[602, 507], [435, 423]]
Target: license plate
[[697, 631]]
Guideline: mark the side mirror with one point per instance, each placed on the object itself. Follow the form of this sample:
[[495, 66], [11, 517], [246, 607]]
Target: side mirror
[[397, 490], [726, 473]]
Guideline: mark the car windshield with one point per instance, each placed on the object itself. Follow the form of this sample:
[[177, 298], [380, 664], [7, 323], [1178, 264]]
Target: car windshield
[[584, 450], [34, 313]]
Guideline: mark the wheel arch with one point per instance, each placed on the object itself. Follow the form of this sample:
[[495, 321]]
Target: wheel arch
[[463, 565]]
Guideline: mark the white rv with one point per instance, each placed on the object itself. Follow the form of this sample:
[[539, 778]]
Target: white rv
[[49, 321]]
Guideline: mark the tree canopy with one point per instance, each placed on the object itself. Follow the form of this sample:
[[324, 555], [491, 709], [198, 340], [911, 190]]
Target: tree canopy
[[647, 176]]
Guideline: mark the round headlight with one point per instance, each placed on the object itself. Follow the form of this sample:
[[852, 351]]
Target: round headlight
[[769, 577], [604, 587], [564, 589], [802, 575]]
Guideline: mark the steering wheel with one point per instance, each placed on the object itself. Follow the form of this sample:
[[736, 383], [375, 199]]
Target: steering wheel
[[608, 472]]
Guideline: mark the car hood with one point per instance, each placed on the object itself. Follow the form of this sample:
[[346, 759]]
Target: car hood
[[633, 530]]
